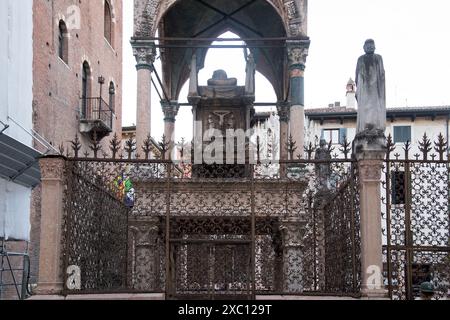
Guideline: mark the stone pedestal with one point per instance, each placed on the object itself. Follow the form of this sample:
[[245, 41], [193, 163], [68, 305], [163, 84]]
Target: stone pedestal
[[50, 278], [370, 152], [292, 232]]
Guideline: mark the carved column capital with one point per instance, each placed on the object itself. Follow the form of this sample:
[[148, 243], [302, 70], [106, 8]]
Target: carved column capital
[[145, 233], [370, 170], [145, 54], [297, 54], [170, 110], [52, 168], [284, 111]]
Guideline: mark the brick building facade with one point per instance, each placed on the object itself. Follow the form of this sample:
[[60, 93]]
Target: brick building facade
[[75, 43]]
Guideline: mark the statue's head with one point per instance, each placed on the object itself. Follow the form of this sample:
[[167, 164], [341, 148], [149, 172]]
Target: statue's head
[[369, 46], [220, 75], [323, 143]]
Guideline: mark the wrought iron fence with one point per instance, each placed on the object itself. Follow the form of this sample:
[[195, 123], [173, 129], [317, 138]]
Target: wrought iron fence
[[195, 232], [95, 232], [416, 218]]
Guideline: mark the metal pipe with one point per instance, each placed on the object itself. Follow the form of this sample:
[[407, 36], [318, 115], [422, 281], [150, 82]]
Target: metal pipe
[[256, 104], [5, 127], [298, 39], [211, 46]]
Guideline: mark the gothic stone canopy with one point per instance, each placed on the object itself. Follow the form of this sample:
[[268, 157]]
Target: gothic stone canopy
[[209, 19]]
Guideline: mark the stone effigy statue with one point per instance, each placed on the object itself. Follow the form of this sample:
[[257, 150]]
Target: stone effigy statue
[[220, 78], [371, 92], [250, 75], [323, 170]]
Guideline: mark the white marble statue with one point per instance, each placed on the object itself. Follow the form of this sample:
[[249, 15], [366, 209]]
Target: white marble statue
[[371, 91]]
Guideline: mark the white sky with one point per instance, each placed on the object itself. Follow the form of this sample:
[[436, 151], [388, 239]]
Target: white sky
[[411, 35]]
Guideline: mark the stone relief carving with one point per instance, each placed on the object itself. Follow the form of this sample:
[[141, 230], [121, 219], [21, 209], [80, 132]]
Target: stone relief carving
[[291, 9], [52, 168], [144, 256], [370, 170]]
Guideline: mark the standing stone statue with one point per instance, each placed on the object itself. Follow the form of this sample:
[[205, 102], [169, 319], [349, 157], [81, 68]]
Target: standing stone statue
[[323, 170], [371, 92], [250, 75]]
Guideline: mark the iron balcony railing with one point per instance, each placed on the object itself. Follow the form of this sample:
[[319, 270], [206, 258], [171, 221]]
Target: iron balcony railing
[[94, 109]]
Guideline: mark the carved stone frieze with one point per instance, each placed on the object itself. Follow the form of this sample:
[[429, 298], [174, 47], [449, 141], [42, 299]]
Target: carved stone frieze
[[370, 170], [52, 168]]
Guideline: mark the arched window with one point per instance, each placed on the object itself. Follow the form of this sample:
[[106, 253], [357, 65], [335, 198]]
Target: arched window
[[112, 96], [85, 90], [108, 22], [63, 42]]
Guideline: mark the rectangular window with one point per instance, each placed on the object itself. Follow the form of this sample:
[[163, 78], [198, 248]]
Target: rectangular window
[[402, 134], [336, 136], [398, 187]]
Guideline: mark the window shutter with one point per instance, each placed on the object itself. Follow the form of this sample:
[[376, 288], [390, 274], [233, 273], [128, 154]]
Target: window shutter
[[402, 134], [342, 135]]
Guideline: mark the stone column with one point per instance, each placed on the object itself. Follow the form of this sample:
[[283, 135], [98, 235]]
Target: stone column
[[145, 56], [293, 231], [284, 114], [50, 278], [297, 53], [370, 157], [170, 110]]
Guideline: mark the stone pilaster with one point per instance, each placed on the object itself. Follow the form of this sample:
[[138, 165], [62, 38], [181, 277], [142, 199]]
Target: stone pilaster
[[144, 53], [297, 54], [50, 279], [144, 253], [293, 230]]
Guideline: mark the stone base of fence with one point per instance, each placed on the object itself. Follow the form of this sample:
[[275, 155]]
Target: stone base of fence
[[105, 297]]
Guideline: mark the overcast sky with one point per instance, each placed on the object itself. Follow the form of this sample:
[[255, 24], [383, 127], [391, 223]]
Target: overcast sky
[[411, 35]]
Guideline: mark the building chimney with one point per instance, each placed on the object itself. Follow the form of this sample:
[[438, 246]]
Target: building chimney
[[351, 94], [337, 104]]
